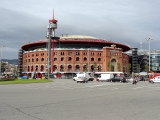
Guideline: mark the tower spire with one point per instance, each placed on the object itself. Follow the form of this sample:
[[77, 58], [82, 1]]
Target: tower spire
[[53, 20]]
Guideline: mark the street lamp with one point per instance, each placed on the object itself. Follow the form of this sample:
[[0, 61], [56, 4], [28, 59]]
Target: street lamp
[[1, 46], [149, 39]]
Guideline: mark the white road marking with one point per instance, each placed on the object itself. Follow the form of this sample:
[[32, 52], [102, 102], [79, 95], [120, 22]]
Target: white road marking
[[148, 86]]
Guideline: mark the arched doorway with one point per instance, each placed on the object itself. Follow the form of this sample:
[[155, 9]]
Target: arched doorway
[[54, 68], [42, 68], [62, 68], [99, 68], [113, 65], [85, 68], [92, 68], [69, 68], [77, 69]]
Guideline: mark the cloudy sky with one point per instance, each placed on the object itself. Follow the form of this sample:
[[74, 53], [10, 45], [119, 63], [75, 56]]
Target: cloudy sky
[[124, 21]]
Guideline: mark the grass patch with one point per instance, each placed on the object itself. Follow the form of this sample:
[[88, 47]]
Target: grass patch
[[24, 81]]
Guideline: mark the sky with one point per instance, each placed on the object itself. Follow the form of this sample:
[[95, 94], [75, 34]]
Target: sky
[[129, 22]]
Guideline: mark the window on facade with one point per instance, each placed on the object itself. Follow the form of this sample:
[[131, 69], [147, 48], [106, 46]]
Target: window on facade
[[28, 60], [99, 59], [69, 53], [42, 68], [69, 59], [77, 58], [32, 60], [84, 59], [77, 53], [37, 54], [62, 53], [36, 59], [85, 53], [32, 55], [36, 67], [28, 68], [55, 59], [62, 58], [55, 53], [92, 59], [42, 54], [99, 54], [42, 59], [92, 53]]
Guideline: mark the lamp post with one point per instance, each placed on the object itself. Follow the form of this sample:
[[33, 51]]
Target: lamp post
[[1, 46], [149, 39]]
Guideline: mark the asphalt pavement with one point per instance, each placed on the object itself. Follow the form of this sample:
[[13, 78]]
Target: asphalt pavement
[[64, 99]]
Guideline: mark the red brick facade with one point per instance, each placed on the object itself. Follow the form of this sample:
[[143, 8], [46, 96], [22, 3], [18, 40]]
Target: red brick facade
[[70, 60]]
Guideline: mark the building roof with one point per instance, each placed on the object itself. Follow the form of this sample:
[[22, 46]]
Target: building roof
[[76, 36]]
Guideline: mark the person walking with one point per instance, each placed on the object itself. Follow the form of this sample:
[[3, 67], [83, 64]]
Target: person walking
[[134, 80]]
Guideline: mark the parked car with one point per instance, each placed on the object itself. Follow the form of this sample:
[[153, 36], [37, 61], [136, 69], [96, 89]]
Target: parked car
[[118, 79], [155, 79], [82, 79]]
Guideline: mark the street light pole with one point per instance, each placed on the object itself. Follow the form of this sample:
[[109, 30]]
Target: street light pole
[[149, 39], [1, 46]]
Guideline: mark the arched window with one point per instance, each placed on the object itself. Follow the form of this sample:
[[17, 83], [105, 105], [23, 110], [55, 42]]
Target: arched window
[[77, 69], [85, 68], [92, 59], [36, 68], [32, 69], [99, 68], [54, 68], [62, 68], [99, 59], [28, 68], [69, 68], [42, 68], [84, 59], [77, 58]]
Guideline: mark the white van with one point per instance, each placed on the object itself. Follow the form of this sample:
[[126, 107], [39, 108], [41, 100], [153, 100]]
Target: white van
[[81, 74], [105, 77]]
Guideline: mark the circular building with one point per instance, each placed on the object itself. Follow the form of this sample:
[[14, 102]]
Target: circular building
[[72, 54]]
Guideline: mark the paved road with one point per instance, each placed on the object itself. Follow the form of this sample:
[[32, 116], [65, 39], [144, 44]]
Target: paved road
[[68, 100]]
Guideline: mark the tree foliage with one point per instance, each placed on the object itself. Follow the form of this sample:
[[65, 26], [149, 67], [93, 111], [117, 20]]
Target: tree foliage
[[119, 66], [128, 68]]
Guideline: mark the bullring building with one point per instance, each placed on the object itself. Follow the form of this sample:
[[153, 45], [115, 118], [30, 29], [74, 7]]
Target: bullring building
[[72, 54]]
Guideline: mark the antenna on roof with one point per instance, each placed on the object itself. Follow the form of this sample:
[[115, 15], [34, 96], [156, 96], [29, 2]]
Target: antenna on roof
[[53, 13], [141, 45]]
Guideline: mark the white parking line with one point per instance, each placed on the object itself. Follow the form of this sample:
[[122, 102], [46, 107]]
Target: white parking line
[[148, 86]]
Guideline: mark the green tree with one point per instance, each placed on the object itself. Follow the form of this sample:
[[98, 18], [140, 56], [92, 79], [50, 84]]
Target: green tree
[[2, 67], [95, 66], [146, 67], [86, 69], [112, 68], [128, 69], [138, 68], [154, 67], [109, 66], [119, 66]]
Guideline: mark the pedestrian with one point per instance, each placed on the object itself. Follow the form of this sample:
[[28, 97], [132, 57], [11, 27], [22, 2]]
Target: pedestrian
[[134, 80]]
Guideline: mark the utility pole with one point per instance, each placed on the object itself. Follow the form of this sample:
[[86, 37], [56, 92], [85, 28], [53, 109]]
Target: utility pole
[[51, 36], [1, 46], [149, 39]]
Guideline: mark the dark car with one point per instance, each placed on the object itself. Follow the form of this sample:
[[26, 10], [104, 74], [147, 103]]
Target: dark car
[[118, 79]]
